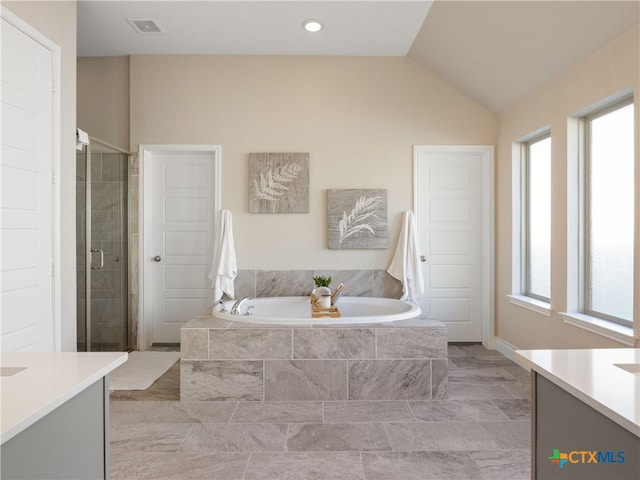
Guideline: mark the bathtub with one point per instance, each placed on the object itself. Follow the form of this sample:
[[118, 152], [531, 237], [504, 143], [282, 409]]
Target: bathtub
[[297, 311]]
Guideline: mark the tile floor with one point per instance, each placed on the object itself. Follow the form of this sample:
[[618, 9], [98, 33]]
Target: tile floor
[[482, 431]]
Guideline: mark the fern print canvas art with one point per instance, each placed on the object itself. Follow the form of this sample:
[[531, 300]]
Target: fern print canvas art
[[278, 183], [357, 218]]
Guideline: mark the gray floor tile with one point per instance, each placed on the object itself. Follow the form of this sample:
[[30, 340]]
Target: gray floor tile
[[477, 349], [148, 437], [263, 437], [480, 361], [465, 391], [367, 411], [479, 376], [419, 466], [518, 389], [509, 435], [337, 437], [171, 412], [456, 410], [180, 465], [504, 465], [305, 466], [515, 409], [442, 436], [454, 351], [480, 431], [519, 373], [278, 412]]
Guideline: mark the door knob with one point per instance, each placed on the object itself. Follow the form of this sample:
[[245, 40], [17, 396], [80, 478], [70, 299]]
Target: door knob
[[423, 258], [157, 258]]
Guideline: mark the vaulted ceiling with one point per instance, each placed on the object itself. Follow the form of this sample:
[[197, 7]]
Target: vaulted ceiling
[[493, 51]]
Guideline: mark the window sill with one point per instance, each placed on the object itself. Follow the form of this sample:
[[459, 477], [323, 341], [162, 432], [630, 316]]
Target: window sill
[[610, 330], [543, 308]]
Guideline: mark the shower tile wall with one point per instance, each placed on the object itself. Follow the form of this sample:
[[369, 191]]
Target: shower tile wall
[[109, 297]]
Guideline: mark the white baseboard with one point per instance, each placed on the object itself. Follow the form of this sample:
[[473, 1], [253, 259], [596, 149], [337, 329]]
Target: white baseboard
[[509, 351]]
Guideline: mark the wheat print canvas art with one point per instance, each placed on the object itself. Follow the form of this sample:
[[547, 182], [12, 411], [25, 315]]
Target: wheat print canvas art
[[278, 183], [357, 218]]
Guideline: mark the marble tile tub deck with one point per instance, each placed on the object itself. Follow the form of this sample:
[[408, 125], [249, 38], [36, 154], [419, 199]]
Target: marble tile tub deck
[[481, 431], [223, 360]]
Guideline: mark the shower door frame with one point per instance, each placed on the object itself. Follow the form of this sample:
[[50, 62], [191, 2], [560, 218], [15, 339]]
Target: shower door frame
[[88, 241]]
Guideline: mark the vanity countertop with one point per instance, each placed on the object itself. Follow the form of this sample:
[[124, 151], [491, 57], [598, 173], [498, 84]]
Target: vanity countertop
[[607, 379], [33, 384]]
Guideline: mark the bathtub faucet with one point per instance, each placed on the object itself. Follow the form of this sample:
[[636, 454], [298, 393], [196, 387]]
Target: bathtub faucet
[[235, 310], [223, 307]]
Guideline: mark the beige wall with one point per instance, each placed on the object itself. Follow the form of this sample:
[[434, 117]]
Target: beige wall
[[57, 21], [103, 99], [358, 117], [603, 74]]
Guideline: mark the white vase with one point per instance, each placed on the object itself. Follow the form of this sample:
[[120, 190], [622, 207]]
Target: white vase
[[323, 294]]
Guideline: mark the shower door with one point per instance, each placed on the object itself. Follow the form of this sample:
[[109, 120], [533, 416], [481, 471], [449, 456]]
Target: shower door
[[102, 248]]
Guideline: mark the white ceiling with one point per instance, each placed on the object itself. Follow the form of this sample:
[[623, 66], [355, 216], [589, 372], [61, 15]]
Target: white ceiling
[[250, 27], [493, 51]]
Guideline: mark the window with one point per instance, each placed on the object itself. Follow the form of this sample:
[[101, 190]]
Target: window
[[531, 221], [536, 221], [608, 219]]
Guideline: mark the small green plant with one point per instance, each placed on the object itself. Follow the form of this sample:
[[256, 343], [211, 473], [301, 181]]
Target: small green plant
[[322, 281]]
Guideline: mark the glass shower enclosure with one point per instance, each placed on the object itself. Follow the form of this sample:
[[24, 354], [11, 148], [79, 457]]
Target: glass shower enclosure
[[102, 247]]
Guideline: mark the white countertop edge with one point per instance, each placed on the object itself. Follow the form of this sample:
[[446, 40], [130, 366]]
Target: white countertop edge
[[611, 414], [14, 430]]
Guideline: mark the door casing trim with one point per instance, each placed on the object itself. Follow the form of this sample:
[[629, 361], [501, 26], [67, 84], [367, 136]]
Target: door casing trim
[[488, 225], [145, 153]]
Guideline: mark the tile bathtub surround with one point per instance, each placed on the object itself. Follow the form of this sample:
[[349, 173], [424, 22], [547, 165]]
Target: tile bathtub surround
[[285, 283], [254, 362], [466, 438]]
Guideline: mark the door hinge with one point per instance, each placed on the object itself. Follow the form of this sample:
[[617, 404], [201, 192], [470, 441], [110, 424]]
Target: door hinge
[[53, 177], [53, 268], [53, 85]]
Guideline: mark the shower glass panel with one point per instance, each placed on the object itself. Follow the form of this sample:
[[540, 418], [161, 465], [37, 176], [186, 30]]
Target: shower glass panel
[[102, 248]]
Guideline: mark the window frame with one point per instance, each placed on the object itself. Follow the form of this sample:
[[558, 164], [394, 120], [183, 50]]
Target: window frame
[[585, 226], [525, 215]]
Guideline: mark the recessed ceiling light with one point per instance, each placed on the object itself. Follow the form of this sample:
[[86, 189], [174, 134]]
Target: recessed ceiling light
[[312, 25]]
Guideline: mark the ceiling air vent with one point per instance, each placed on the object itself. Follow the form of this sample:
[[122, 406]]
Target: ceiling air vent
[[145, 25]]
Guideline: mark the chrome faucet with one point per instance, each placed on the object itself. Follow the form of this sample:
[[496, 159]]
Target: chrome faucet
[[235, 310], [223, 307]]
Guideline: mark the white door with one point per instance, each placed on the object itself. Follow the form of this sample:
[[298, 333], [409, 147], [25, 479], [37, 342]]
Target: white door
[[453, 210], [26, 166], [181, 199]]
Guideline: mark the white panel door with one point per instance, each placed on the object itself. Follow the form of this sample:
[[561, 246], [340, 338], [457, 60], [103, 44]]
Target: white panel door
[[449, 209], [26, 165], [178, 251]]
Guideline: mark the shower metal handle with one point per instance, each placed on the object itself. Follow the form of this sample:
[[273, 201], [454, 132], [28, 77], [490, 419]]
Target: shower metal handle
[[157, 258], [101, 259]]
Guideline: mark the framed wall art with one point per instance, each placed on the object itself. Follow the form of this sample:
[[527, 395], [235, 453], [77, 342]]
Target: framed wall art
[[278, 183], [357, 218]]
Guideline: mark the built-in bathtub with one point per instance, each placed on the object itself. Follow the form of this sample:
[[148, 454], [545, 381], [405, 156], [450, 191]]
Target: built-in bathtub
[[297, 311], [386, 351]]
